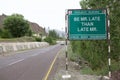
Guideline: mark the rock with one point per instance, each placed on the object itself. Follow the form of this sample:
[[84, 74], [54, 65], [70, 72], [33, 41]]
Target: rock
[[104, 78]]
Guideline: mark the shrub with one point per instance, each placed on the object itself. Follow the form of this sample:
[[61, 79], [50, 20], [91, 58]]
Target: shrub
[[38, 39], [5, 34], [50, 40]]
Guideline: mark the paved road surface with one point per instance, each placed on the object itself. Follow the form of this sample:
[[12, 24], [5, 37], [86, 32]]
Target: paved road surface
[[28, 65]]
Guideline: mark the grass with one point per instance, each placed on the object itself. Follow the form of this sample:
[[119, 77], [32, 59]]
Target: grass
[[103, 71], [22, 39], [87, 70]]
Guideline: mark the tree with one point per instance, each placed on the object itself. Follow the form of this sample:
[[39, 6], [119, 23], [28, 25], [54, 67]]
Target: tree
[[53, 34], [83, 4], [17, 25]]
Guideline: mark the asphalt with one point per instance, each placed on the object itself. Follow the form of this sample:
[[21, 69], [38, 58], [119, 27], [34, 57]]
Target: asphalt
[[28, 65]]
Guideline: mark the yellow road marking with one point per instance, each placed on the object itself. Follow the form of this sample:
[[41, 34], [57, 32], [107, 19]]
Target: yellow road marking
[[49, 70]]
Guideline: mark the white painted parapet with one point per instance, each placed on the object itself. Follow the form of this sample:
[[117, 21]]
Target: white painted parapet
[[17, 46]]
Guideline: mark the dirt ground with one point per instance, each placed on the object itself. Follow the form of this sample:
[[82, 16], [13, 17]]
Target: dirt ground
[[116, 75]]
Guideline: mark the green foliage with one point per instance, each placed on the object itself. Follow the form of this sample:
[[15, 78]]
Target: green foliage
[[38, 39], [50, 40], [87, 70], [53, 34], [83, 4], [16, 25], [103, 71], [52, 37], [5, 33], [92, 52], [29, 33]]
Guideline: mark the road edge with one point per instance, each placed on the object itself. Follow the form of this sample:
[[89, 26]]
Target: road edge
[[51, 66]]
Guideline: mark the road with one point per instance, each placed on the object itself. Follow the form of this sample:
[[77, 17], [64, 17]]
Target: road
[[28, 65]]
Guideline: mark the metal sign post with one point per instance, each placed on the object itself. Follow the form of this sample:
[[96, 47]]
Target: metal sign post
[[66, 76], [109, 42]]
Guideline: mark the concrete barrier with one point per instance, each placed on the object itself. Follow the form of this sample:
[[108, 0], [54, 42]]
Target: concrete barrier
[[18, 46], [1, 49]]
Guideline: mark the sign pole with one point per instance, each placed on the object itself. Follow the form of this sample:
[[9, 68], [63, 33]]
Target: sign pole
[[66, 50], [66, 53], [109, 42]]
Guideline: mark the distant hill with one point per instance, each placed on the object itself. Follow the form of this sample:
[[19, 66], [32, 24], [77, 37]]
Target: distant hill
[[36, 29]]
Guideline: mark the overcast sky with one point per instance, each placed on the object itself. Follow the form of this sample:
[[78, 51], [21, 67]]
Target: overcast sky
[[47, 13]]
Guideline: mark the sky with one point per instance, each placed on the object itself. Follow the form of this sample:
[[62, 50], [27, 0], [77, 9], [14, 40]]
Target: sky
[[47, 13]]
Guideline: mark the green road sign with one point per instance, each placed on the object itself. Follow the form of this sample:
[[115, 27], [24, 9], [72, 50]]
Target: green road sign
[[87, 24]]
